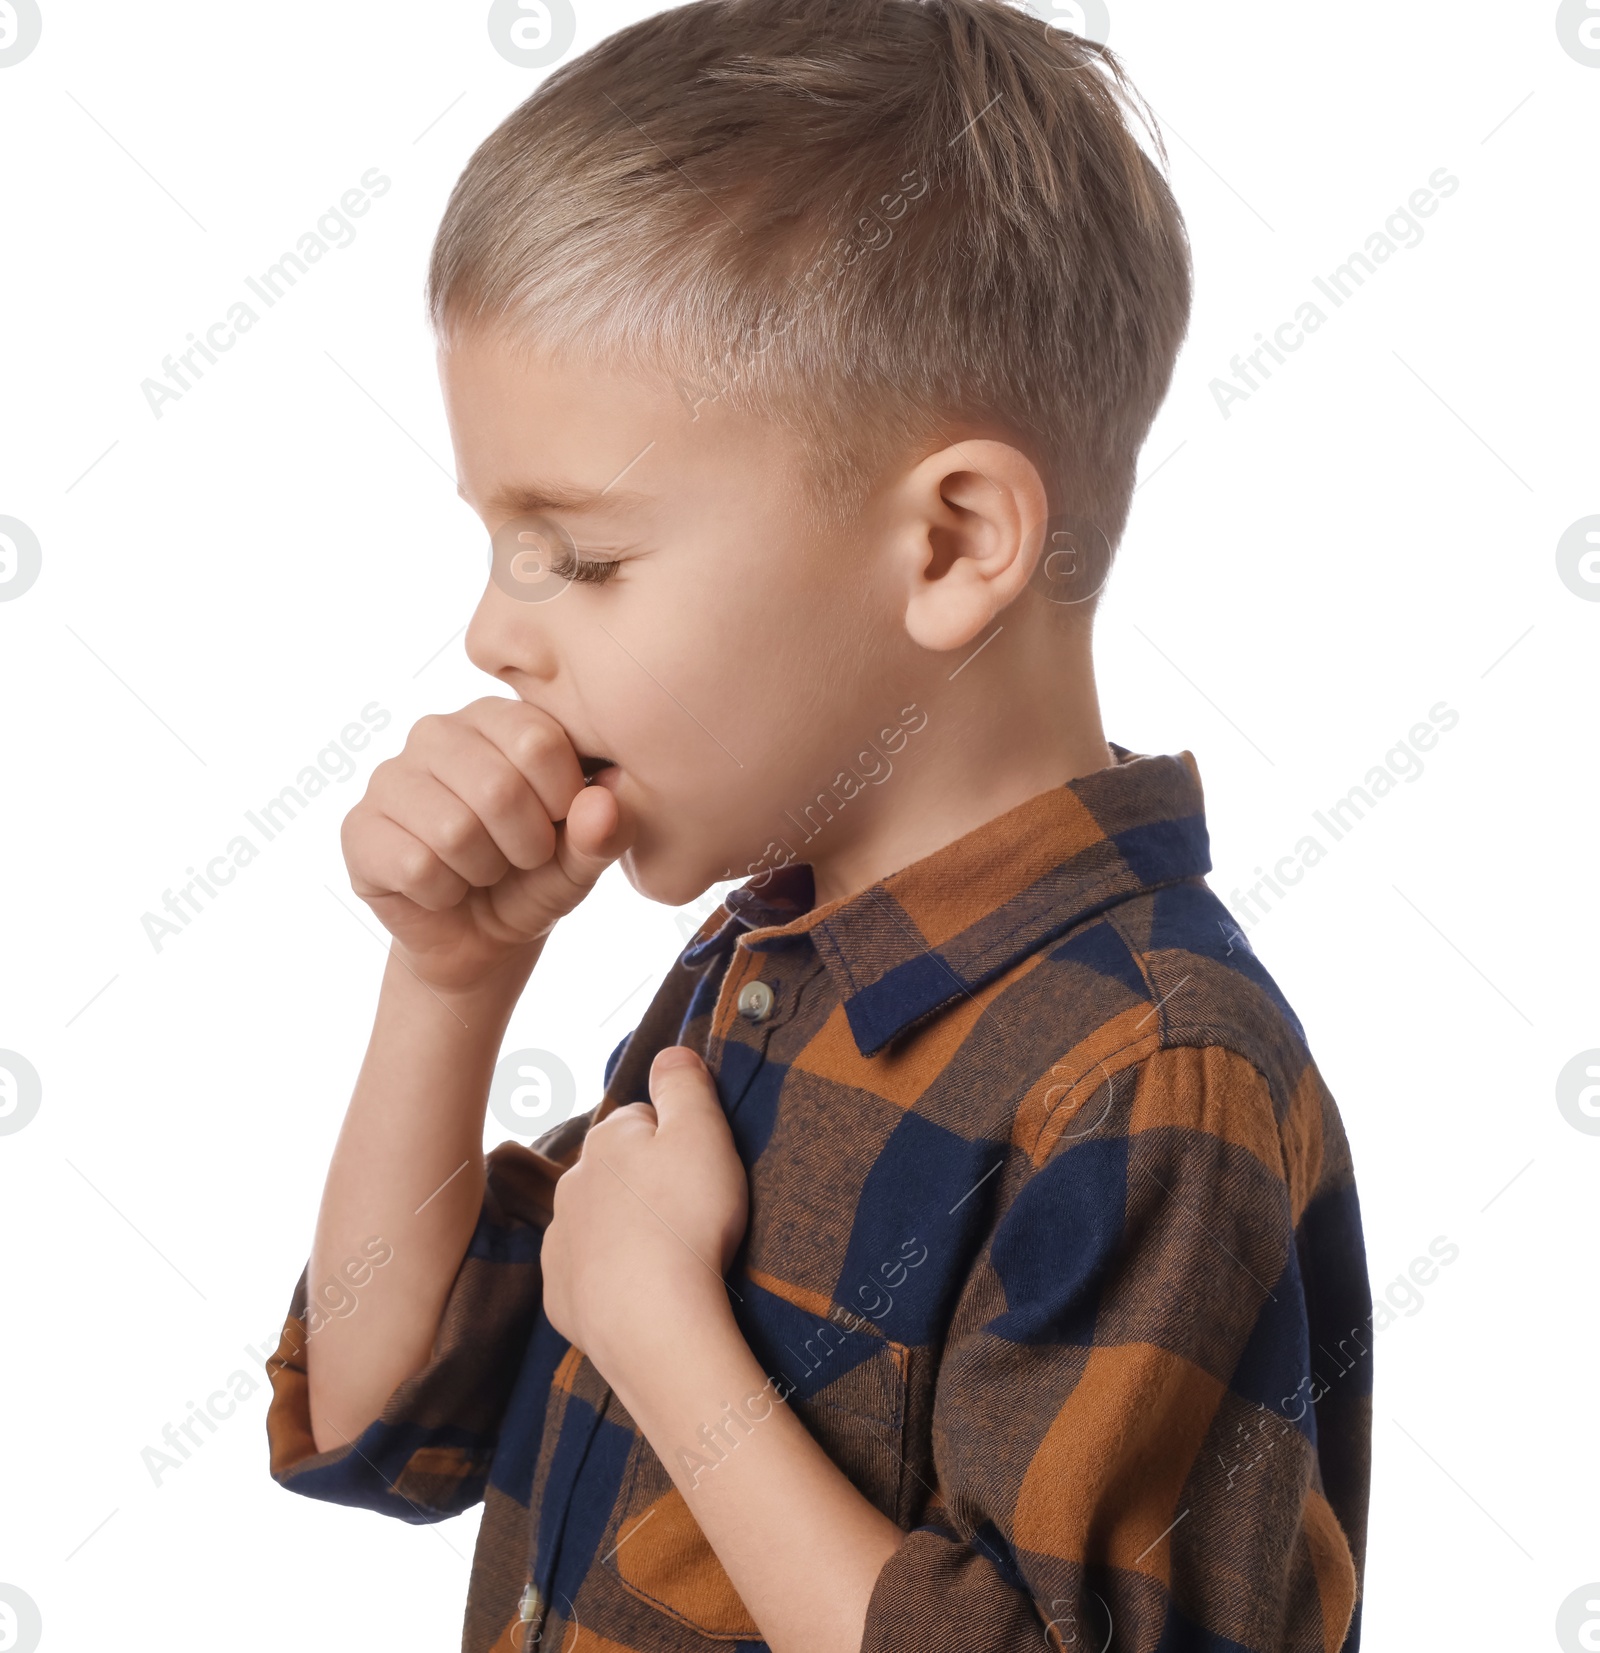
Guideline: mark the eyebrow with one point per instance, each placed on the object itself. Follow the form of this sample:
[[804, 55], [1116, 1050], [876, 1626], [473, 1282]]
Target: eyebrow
[[527, 498]]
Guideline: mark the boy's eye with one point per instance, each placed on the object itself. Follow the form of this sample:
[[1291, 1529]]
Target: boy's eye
[[569, 566]]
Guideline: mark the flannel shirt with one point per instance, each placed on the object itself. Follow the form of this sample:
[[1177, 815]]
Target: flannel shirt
[[1053, 1242]]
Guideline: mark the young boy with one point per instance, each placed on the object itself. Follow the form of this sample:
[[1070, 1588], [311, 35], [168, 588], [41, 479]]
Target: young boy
[[964, 1253]]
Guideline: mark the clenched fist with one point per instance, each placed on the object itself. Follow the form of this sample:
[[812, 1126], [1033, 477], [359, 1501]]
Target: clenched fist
[[646, 1223], [471, 842]]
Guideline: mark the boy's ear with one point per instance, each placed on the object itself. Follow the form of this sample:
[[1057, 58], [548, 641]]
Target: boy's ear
[[966, 532]]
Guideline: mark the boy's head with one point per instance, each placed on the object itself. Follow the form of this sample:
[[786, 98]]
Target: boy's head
[[853, 314]]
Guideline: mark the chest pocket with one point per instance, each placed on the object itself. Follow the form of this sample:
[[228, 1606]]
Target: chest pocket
[[657, 1550], [859, 1419]]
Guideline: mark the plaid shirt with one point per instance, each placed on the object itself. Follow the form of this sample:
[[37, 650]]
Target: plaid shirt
[[1053, 1242]]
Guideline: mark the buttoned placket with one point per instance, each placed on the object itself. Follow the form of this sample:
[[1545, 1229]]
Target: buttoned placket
[[757, 1001], [758, 993]]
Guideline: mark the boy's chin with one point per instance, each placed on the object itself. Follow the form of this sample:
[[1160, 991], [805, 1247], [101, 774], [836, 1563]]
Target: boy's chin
[[658, 878]]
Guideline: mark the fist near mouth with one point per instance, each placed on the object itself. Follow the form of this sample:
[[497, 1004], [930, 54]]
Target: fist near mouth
[[471, 842]]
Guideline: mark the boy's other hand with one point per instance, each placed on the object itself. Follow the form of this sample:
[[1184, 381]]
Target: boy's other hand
[[646, 1222], [471, 842]]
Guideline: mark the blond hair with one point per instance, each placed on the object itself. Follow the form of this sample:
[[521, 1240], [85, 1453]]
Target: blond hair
[[868, 220]]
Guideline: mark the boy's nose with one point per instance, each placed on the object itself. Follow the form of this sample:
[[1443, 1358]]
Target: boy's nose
[[505, 635]]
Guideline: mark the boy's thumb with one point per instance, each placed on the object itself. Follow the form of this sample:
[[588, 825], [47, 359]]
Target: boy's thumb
[[596, 831], [681, 1085]]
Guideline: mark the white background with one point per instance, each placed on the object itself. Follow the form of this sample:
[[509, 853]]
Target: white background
[[224, 588]]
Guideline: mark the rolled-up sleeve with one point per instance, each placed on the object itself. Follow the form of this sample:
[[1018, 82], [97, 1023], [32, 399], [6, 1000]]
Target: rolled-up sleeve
[[1124, 1426], [428, 1453]]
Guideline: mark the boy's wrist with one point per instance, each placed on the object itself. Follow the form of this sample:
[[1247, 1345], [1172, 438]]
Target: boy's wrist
[[661, 1360], [681, 1326], [474, 1006]]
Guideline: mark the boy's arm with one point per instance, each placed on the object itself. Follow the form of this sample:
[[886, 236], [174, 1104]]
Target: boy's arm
[[801, 1546], [411, 1321], [406, 1180], [392, 1376]]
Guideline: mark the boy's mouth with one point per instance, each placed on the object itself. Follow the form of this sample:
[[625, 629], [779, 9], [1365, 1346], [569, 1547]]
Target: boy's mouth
[[592, 766]]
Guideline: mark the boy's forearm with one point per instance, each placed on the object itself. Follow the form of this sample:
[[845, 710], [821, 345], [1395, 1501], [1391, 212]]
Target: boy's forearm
[[405, 1185], [802, 1547]]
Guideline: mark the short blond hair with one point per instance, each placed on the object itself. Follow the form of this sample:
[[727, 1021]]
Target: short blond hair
[[864, 219]]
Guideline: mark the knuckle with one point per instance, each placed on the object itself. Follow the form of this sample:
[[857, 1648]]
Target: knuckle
[[416, 865], [457, 829], [533, 744], [384, 778], [503, 791], [427, 729]]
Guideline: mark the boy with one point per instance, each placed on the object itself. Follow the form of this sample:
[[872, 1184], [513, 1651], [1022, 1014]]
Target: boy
[[964, 1252]]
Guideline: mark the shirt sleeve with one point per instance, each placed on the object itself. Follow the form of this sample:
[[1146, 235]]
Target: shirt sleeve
[[428, 1453], [1123, 1445]]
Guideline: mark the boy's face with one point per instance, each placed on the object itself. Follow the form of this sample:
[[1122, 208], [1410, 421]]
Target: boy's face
[[731, 665]]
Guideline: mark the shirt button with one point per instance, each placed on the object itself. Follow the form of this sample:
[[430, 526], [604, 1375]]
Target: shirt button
[[755, 1001], [530, 1606]]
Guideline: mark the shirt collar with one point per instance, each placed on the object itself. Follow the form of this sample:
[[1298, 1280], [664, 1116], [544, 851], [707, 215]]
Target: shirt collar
[[906, 946]]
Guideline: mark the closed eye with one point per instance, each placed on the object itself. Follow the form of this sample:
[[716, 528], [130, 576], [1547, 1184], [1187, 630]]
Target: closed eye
[[587, 570]]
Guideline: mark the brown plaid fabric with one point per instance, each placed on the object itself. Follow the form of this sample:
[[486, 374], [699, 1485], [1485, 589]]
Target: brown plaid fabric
[[1054, 1246]]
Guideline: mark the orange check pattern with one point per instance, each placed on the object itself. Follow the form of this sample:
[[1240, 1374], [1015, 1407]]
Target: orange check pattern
[[1054, 1241]]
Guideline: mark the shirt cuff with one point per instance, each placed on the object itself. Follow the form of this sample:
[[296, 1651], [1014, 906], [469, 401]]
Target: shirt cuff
[[428, 1453]]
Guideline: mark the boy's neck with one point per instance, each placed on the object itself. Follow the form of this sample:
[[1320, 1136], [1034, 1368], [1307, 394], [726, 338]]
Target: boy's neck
[[956, 773]]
